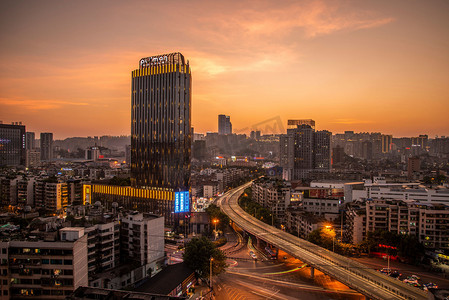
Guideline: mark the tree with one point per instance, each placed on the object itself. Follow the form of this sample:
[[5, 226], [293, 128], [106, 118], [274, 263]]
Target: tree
[[255, 209], [214, 212], [323, 237], [315, 237], [197, 255], [120, 181], [408, 246]]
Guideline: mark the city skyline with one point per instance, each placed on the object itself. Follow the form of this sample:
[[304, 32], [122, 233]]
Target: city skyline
[[347, 65]]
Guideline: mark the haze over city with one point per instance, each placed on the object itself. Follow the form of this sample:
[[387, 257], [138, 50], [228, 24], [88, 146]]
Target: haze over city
[[363, 66]]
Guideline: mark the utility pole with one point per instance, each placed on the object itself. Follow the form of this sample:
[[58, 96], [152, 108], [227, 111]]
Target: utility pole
[[341, 228], [210, 283]]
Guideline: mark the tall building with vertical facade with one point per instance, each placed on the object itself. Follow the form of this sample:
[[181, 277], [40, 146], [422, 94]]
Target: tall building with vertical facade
[[30, 140], [224, 124], [46, 146], [387, 140], [304, 151], [161, 135], [292, 124], [12, 144], [161, 129]]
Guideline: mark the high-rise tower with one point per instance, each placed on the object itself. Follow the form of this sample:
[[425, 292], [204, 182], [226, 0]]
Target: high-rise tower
[[160, 141], [304, 151], [224, 124], [160, 128], [12, 144], [161, 125], [46, 146]]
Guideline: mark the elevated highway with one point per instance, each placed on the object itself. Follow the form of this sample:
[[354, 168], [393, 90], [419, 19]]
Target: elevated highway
[[369, 282]]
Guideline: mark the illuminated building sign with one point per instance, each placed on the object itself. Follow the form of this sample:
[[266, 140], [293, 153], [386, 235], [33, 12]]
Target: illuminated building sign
[[182, 202], [153, 60], [86, 194]]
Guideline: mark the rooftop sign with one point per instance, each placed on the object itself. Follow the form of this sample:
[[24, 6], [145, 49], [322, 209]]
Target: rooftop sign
[[153, 60]]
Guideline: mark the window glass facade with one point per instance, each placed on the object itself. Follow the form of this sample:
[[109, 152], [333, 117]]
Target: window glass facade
[[161, 123], [12, 145]]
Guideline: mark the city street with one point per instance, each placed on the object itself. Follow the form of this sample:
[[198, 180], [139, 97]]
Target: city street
[[287, 278], [406, 270], [359, 277]]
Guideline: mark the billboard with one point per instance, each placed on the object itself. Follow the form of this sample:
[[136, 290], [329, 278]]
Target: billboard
[[182, 202]]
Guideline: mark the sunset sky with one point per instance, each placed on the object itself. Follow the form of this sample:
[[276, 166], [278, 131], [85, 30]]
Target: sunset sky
[[378, 66]]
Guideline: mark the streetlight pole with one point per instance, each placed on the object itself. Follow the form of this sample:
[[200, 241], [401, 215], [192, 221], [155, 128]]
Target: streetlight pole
[[210, 280], [329, 227], [341, 227], [388, 270]]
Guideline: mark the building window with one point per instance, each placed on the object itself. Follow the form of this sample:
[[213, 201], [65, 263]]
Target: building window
[[56, 261]]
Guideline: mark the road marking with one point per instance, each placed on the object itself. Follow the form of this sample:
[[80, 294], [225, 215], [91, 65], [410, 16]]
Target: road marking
[[269, 296], [308, 251]]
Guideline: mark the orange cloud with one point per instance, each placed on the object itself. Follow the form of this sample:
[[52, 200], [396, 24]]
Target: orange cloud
[[32, 104], [346, 64]]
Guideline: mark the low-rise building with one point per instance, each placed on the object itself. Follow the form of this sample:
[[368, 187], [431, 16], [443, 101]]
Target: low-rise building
[[142, 238], [210, 190], [303, 223], [44, 268]]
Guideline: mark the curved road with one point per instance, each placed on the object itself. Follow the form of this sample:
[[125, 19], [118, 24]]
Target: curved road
[[357, 276]]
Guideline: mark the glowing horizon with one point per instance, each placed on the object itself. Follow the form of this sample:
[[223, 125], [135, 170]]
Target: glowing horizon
[[348, 65]]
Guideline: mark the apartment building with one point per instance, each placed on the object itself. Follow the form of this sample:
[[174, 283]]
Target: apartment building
[[103, 247], [303, 223], [142, 237], [417, 193], [273, 194], [429, 223], [44, 268]]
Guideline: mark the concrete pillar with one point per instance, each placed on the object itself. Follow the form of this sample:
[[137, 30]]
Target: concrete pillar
[[277, 252], [312, 272]]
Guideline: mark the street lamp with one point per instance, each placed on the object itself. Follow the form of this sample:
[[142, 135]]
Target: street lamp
[[215, 221], [328, 227]]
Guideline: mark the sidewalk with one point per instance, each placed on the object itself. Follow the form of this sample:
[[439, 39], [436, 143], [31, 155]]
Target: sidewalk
[[201, 292]]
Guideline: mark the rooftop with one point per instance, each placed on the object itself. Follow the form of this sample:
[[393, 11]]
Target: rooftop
[[166, 280], [106, 294]]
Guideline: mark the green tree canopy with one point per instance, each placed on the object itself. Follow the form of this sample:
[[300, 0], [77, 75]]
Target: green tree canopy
[[322, 237], [408, 246], [214, 212], [197, 255], [255, 209], [120, 181]]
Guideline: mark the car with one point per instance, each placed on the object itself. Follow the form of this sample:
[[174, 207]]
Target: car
[[385, 271], [253, 255], [415, 277], [395, 274], [411, 281], [429, 285], [285, 257]]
